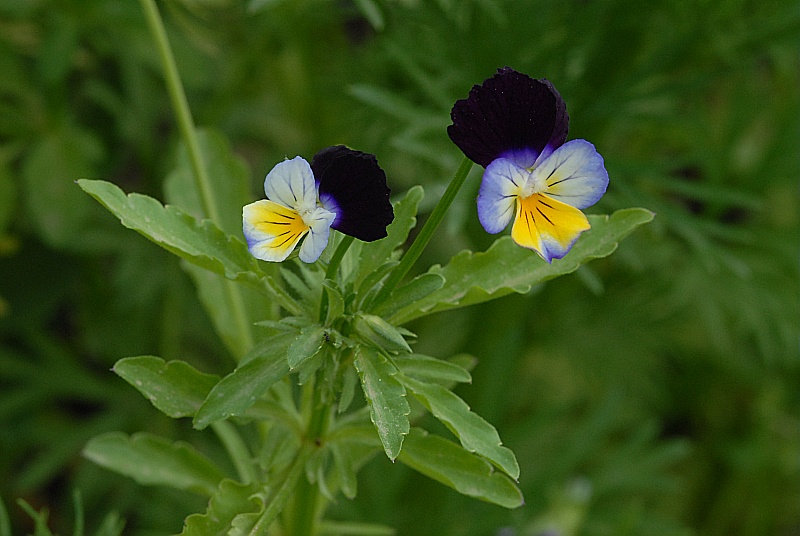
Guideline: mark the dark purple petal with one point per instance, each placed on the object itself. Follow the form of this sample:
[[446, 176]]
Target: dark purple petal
[[509, 113], [353, 185]]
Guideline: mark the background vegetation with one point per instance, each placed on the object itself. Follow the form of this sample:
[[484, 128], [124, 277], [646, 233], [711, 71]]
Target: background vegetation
[[653, 392]]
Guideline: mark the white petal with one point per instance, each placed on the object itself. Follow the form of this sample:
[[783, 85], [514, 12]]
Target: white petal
[[574, 174], [291, 183], [500, 187], [316, 240]]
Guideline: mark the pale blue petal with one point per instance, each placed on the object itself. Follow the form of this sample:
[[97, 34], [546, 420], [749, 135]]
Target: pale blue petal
[[574, 174], [317, 239], [291, 183], [500, 187]]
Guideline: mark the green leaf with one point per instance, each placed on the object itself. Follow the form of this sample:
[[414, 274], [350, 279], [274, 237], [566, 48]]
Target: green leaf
[[349, 380], [370, 10], [375, 330], [427, 368], [59, 212], [450, 464], [335, 302], [374, 254], [388, 407], [476, 435], [211, 289], [111, 525], [152, 460], [345, 469], [307, 343], [228, 175], [505, 267], [352, 528], [369, 287], [229, 500], [229, 179], [242, 388], [176, 388], [409, 294], [200, 243]]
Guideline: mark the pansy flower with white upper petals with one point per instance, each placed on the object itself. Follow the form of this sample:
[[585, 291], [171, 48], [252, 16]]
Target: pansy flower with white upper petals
[[341, 189], [515, 127]]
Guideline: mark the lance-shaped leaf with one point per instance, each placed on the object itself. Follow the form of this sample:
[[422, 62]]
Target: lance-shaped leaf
[[428, 368], [345, 469], [307, 343], [175, 388], [409, 294], [505, 267], [200, 243], [476, 435], [229, 500], [152, 460], [388, 407], [242, 388], [335, 302], [453, 466], [377, 331]]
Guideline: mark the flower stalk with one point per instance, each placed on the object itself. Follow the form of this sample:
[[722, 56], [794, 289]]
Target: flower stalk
[[415, 250]]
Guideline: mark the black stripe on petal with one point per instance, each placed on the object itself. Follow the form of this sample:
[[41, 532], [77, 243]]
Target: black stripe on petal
[[509, 111], [357, 186]]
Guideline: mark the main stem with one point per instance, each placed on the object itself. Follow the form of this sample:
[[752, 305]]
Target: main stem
[[303, 517], [425, 235], [183, 116]]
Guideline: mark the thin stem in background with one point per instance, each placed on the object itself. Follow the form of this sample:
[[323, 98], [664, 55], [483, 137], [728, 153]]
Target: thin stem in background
[[183, 116], [425, 235]]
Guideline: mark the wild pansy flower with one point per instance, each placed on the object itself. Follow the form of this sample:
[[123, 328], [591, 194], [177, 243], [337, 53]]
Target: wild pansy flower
[[515, 127], [341, 189]]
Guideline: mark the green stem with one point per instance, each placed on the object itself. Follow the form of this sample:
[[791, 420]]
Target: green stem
[[330, 273], [281, 497], [180, 107], [303, 520], [237, 450], [183, 116], [424, 236]]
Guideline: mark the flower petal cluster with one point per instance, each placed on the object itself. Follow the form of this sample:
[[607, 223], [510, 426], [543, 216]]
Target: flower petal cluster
[[516, 127], [341, 189]]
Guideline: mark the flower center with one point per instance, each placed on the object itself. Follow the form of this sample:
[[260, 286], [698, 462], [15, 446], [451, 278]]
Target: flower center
[[532, 183]]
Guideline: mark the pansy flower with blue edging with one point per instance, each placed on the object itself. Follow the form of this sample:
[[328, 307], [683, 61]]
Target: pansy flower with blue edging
[[341, 189], [515, 127]]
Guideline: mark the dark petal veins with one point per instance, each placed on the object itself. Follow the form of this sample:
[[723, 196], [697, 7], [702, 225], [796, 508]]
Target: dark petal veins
[[358, 187], [509, 111]]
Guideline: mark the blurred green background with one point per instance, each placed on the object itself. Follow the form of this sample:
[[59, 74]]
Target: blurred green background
[[653, 392]]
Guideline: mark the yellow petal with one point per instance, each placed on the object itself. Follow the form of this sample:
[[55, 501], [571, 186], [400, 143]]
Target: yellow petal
[[547, 226], [272, 230]]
